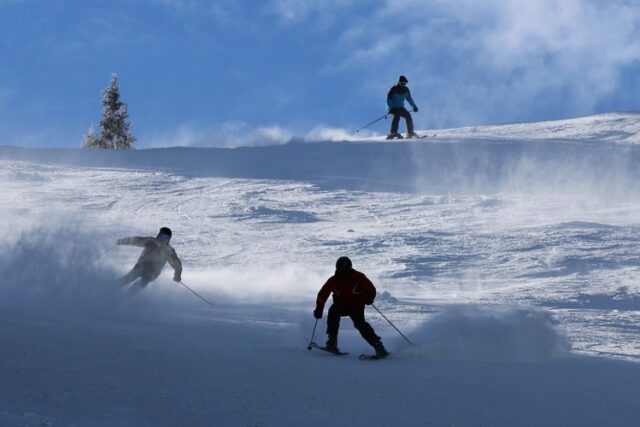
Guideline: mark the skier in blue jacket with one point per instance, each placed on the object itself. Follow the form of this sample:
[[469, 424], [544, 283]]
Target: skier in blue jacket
[[395, 101]]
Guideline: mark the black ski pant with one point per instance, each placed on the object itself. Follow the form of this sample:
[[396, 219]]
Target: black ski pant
[[401, 112], [336, 311]]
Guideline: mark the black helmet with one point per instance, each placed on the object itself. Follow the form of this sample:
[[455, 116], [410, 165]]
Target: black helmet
[[403, 79], [166, 231], [343, 265]]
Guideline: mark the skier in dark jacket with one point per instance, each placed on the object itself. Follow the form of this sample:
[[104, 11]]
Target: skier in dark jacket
[[395, 101], [157, 252], [351, 290]]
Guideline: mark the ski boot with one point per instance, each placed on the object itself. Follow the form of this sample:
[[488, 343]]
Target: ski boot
[[394, 136], [412, 135], [332, 346], [381, 352]]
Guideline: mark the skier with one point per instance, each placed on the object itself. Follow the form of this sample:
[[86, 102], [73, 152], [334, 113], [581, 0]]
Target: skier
[[352, 290], [395, 101], [157, 251]]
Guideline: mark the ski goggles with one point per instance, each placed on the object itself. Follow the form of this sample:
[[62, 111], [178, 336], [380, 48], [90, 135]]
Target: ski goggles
[[163, 237]]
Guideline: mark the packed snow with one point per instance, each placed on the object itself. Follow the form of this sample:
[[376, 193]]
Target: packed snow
[[508, 256], [612, 127]]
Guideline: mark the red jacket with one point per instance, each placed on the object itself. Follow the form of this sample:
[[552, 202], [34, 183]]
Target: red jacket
[[353, 290]]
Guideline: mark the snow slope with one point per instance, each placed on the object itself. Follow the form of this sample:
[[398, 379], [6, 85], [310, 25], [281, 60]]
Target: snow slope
[[507, 255], [611, 127]]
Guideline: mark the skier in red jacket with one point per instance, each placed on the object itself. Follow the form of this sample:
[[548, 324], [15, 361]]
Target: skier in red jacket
[[351, 290]]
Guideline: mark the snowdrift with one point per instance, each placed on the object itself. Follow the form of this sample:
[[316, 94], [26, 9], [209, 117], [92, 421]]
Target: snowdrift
[[490, 333]]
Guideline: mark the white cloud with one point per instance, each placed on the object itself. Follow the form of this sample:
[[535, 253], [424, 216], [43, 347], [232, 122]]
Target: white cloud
[[290, 10], [296, 10], [476, 58], [229, 12], [502, 47], [378, 50], [598, 33]]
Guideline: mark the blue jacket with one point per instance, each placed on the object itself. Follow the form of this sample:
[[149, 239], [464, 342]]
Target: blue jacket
[[397, 95]]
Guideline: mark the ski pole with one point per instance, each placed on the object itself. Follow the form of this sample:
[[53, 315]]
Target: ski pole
[[394, 326], [312, 335], [105, 252], [376, 120], [195, 293]]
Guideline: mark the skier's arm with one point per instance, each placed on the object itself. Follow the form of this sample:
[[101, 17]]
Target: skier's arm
[[410, 99], [389, 98], [371, 290], [134, 241], [323, 295], [175, 262]]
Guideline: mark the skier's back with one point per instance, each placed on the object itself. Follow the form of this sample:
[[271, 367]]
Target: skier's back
[[156, 253], [351, 290]]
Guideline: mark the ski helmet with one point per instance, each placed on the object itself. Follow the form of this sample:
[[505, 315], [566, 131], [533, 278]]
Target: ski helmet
[[166, 231], [343, 264], [403, 79]]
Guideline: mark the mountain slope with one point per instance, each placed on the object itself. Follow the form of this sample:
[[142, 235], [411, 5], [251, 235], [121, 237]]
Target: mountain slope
[[511, 264]]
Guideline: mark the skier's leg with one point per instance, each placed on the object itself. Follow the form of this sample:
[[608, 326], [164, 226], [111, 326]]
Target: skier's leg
[[148, 275], [407, 117], [333, 325], [130, 276], [365, 329], [395, 122], [139, 285], [409, 120], [135, 287], [367, 332]]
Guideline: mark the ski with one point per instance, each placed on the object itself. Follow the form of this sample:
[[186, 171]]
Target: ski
[[319, 347], [426, 135], [371, 357]]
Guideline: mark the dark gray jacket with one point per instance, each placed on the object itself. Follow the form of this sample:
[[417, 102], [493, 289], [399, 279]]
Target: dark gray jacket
[[155, 255]]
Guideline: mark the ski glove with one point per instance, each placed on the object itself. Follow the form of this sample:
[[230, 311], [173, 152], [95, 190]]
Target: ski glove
[[317, 313], [121, 242], [415, 109], [369, 301], [177, 278]]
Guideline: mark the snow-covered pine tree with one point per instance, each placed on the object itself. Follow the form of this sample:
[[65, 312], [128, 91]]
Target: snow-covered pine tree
[[92, 140], [116, 129]]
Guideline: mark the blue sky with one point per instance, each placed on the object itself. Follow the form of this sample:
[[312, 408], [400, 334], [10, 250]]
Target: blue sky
[[197, 72]]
